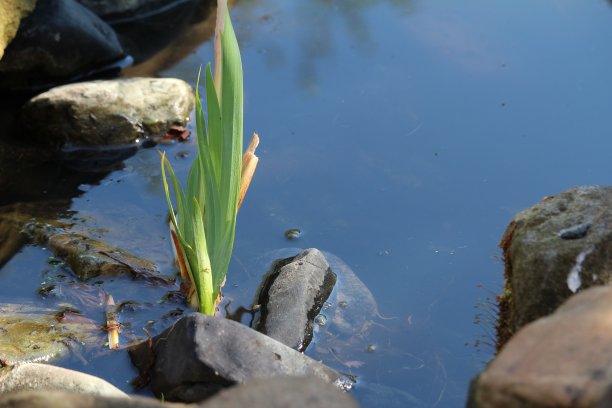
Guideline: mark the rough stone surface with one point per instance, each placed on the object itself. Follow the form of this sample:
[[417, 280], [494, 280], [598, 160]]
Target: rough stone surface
[[199, 355], [109, 112], [44, 377], [559, 361], [293, 296], [60, 399], [282, 392], [558, 246], [59, 40], [89, 258], [11, 13]]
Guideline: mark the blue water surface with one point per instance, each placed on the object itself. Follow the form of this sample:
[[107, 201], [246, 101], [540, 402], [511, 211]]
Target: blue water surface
[[401, 136]]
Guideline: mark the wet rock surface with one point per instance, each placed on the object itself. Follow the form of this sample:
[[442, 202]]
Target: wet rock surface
[[553, 249], [99, 113], [293, 296], [30, 333], [282, 392], [89, 258], [45, 377], [562, 360], [59, 41], [200, 355]]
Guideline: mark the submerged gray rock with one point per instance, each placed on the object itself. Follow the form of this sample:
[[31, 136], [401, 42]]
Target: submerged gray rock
[[99, 113], [293, 295], [199, 355]]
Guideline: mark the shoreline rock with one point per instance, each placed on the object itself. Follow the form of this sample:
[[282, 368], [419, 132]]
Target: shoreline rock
[[562, 360], [551, 250], [110, 112]]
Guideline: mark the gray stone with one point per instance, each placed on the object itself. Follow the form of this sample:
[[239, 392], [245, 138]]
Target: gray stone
[[282, 392], [293, 296], [44, 377], [200, 354], [558, 246], [562, 360], [60, 40], [60, 399], [109, 112]]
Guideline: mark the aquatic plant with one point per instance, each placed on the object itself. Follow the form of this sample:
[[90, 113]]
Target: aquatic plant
[[203, 229]]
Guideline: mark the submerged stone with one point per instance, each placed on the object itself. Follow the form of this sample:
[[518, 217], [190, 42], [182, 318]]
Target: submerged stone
[[30, 334], [89, 258]]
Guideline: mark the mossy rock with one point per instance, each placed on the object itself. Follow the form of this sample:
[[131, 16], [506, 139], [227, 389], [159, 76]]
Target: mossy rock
[[31, 334], [559, 246]]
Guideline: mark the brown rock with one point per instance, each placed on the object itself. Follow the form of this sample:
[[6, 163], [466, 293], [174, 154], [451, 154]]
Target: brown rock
[[562, 360]]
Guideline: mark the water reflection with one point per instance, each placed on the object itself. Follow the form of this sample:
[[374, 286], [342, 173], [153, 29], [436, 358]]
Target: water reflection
[[320, 38]]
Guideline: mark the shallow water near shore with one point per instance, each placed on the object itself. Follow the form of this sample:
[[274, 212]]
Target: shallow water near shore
[[400, 136]]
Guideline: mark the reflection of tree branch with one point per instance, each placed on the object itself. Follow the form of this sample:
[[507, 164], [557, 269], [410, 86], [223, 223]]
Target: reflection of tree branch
[[318, 42]]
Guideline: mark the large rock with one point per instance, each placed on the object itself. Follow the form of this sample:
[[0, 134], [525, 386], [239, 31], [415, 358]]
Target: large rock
[[61, 399], [44, 377], [11, 13], [108, 112], [293, 296], [282, 392], [199, 355], [551, 250], [558, 361], [59, 41]]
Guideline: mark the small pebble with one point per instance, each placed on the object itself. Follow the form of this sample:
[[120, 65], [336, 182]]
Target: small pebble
[[293, 233], [321, 320], [575, 232]]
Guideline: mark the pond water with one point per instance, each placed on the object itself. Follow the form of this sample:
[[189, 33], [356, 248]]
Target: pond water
[[400, 136]]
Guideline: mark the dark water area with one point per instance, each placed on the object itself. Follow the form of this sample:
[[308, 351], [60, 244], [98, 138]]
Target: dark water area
[[400, 136]]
